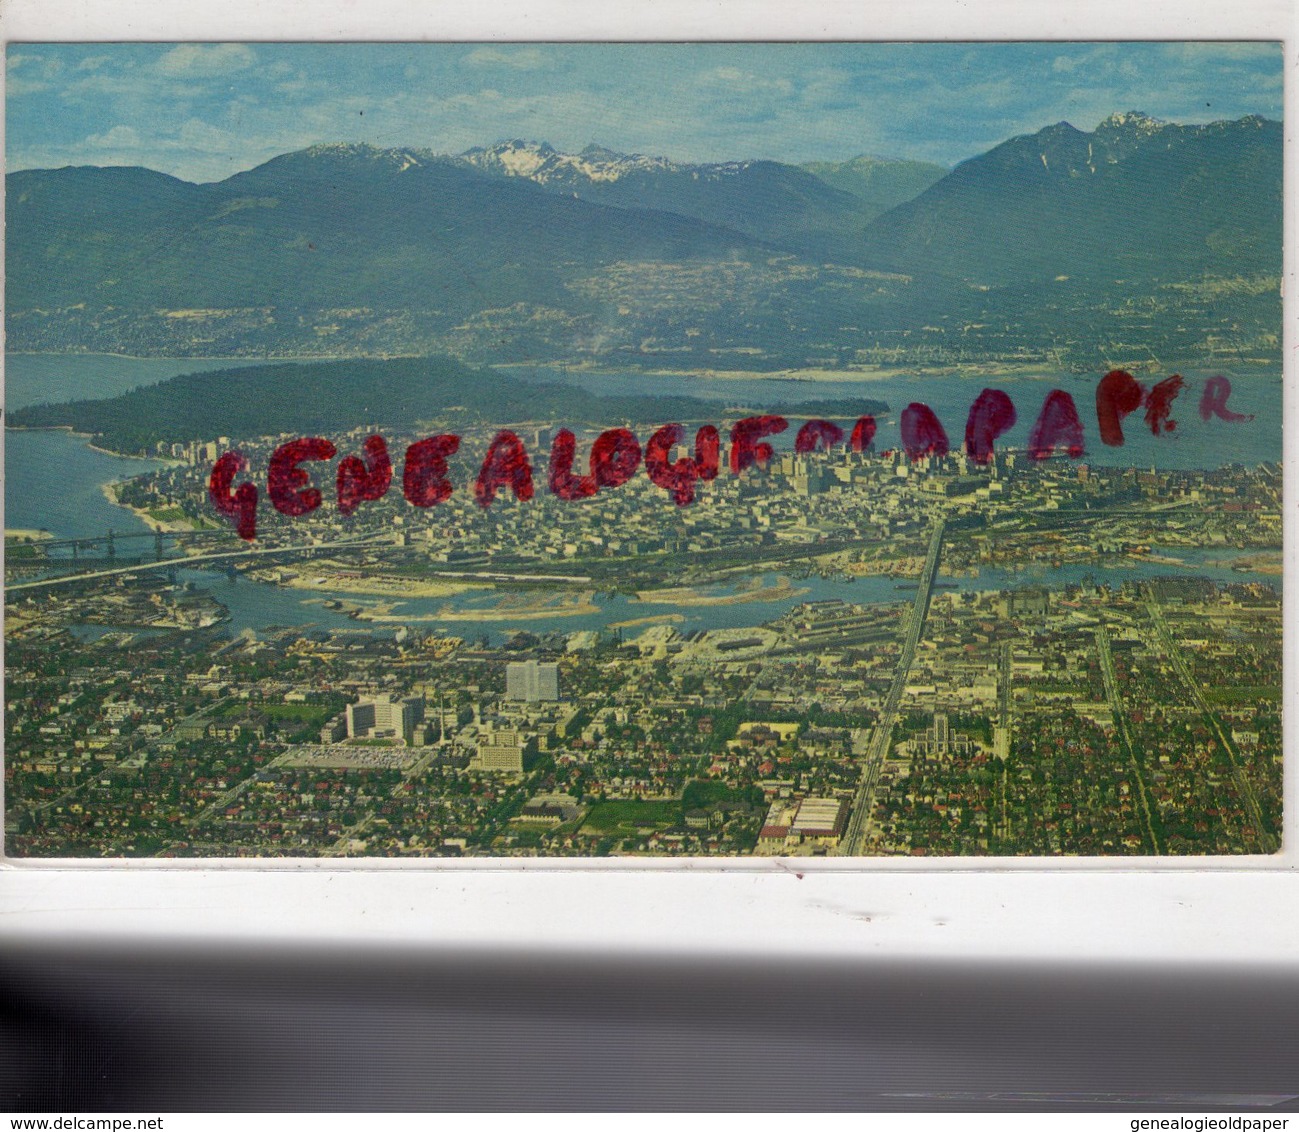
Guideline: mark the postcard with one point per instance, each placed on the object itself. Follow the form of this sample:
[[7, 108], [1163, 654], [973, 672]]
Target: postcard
[[858, 451]]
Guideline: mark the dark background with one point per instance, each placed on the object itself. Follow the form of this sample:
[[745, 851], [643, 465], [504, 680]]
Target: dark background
[[100, 1028]]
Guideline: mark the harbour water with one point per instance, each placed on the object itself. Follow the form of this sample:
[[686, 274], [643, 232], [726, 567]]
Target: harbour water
[[34, 379], [53, 482], [1194, 443]]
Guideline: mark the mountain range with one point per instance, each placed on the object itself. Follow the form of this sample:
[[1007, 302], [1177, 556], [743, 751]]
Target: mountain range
[[1135, 197], [331, 226], [785, 206], [517, 252]]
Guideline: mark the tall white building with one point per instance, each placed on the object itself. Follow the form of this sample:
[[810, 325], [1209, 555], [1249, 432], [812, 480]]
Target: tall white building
[[531, 681], [504, 750], [384, 716]]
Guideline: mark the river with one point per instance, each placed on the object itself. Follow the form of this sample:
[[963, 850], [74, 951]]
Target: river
[[256, 606]]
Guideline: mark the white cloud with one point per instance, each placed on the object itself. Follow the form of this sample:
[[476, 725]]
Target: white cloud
[[199, 60], [16, 85], [300, 84], [118, 138], [735, 81], [1200, 53], [38, 73], [520, 58], [1098, 59], [110, 84], [199, 135]]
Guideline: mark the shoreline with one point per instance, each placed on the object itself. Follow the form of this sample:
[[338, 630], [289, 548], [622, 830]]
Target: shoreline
[[476, 616], [166, 357], [88, 437], [864, 375], [653, 619], [108, 489], [165, 460], [689, 596], [793, 375], [163, 526], [576, 605], [381, 586]]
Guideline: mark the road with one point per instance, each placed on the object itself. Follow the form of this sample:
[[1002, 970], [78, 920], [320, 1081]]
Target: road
[[1004, 677], [1005, 702], [1243, 784], [854, 838], [1121, 726]]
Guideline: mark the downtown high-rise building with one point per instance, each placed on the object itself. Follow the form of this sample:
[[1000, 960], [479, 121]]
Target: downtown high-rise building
[[384, 716]]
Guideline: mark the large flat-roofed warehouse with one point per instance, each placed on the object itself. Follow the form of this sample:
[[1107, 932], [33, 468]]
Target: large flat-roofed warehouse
[[819, 820]]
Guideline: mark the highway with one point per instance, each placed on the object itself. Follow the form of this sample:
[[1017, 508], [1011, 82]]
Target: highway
[[854, 838]]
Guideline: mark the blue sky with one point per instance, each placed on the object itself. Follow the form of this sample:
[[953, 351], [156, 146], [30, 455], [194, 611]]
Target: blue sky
[[204, 111]]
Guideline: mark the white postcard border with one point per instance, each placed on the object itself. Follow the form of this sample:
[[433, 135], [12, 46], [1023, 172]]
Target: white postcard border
[[1242, 910]]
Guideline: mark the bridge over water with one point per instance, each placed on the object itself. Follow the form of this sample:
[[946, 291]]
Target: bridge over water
[[191, 561]]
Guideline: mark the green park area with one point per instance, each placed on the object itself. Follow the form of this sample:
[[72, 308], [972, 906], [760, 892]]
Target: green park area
[[627, 818], [302, 713]]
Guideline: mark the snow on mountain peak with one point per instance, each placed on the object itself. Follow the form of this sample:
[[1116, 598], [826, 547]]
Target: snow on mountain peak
[[538, 161], [1134, 120], [402, 158]]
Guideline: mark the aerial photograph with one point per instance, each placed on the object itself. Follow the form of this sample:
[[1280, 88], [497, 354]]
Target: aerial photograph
[[665, 450]]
